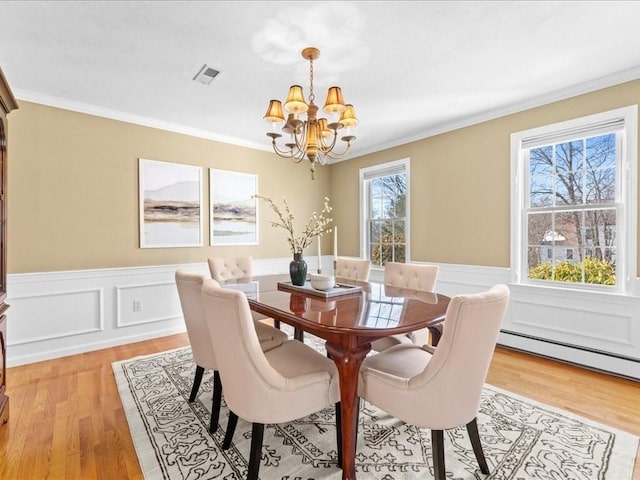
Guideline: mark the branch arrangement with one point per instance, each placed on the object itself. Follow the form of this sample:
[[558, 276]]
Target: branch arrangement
[[317, 225]]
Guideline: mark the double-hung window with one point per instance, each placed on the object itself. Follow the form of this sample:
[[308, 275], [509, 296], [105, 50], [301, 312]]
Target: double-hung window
[[384, 212], [574, 202]]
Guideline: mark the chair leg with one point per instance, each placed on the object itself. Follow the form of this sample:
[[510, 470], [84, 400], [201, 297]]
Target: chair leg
[[472, 429], [276, 324], [196, 383], [339, 433], [437, 448], [231, 428], [436, 334], [217, 401], [257, 434], [298, 334], [357, 417]]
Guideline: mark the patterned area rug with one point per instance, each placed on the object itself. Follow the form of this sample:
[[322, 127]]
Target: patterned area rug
[[522, 439]]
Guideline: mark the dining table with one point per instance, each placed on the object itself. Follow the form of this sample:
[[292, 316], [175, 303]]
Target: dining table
[[348, 317]]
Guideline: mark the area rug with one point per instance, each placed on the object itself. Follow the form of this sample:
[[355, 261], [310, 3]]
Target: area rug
[[522, 439]]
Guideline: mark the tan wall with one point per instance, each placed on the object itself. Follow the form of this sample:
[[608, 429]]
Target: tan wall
[[460, 183], [73, 188], [73, 191]]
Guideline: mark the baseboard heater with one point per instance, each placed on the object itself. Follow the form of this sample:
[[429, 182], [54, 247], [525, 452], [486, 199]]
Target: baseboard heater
[[594, 359]]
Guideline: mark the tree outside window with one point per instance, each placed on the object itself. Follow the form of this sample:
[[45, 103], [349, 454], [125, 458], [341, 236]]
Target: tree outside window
[[572, 216], [385, 212]]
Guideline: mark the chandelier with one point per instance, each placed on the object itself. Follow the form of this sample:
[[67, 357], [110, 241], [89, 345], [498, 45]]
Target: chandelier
[[314, 138]]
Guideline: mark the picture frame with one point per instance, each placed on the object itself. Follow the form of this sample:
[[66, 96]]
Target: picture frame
[[233, 208], [170, 202]]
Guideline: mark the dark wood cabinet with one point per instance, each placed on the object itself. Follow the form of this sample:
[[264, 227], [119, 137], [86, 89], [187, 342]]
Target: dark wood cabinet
[[7, 103]]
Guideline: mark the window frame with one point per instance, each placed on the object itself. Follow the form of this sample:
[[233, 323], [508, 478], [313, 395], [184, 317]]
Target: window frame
[[626, 197], [366, 175]]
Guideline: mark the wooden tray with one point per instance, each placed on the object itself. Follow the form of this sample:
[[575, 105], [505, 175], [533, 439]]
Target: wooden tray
[[339, 290]]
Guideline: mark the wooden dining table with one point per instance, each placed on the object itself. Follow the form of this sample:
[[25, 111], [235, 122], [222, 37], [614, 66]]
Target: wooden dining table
[[348, 322]]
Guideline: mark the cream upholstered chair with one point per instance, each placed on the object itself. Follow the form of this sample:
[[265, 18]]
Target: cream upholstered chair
[[411, 276], [231, 268], [353, 268], [281, 385], [441, 390], [189, 291], [234, 268]]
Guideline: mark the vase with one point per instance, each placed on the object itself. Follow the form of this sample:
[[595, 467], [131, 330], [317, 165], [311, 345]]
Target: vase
[[298, 270]]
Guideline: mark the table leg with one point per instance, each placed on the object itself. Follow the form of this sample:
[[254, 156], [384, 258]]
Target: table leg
[[348, 362]]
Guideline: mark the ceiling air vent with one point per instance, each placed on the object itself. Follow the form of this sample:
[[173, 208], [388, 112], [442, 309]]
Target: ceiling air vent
[[206, 75]]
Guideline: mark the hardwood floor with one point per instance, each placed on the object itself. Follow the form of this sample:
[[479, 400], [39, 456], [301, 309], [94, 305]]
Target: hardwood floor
[[67, 421]]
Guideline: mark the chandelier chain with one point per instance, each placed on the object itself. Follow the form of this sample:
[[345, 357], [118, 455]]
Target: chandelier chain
[[312, 96]]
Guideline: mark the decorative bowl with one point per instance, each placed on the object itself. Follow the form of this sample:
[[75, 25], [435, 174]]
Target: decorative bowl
[[322, 282]]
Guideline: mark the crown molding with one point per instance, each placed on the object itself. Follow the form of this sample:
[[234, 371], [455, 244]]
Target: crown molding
[[569, 92], [97, 111], [573, 91]]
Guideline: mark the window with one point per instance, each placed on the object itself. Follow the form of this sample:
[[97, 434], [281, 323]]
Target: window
[[384, 212], [574, 202]]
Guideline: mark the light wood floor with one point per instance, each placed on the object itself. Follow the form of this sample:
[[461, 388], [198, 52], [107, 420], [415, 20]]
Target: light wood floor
[[67, 421]]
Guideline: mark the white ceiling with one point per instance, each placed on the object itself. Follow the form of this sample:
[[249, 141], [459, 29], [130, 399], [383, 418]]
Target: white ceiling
[[411, 68]]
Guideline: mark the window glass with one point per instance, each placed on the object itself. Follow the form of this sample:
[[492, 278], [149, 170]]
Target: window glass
[[571, 221], [385, 205]]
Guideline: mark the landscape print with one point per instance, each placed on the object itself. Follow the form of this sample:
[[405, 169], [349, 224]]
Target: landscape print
[[170, 204], [233, 208]]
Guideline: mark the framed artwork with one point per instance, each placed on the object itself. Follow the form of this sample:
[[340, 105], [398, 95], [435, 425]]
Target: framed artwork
[[171, 213], [233, 208]]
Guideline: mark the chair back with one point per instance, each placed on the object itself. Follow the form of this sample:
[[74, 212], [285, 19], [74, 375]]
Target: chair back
[[250, 382], [411, 275], [189, 290], [353, 268], [230, 268], [458, 369]]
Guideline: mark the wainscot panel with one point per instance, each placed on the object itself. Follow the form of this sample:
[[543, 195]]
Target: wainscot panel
[[146, 303], [54, 314], [63, 313]]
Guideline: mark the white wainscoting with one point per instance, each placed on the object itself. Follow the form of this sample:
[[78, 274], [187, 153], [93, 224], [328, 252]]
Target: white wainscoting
[[593, 329], [63, 313], [55, 314]]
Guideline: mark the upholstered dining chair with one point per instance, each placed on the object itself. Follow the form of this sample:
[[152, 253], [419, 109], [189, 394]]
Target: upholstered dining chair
[[353, 268], [442, 390], [234, 268], [230, 268], [412, 276], [189, 287], [280, 385]]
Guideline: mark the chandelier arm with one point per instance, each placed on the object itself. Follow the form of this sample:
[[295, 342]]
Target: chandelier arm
[[281, 153], [321, 158], [285, 155], [301, 142], [334, 155], [324, 147], [301, 138], [299, 156]]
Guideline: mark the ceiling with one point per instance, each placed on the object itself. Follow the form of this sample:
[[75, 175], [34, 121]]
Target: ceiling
[[411, 69]]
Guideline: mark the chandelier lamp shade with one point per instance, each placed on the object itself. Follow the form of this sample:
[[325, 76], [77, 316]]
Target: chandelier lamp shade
[[313, 138]]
